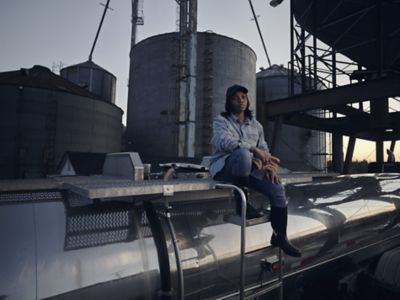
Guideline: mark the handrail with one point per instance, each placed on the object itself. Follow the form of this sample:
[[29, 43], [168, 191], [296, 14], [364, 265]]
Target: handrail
[[242, 232], [181, 286]]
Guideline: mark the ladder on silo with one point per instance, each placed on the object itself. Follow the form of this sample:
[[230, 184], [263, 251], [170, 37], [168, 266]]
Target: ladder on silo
[[207, 79], [243, 222]]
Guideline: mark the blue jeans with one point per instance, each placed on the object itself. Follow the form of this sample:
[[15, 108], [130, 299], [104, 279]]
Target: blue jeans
[[239, 163]]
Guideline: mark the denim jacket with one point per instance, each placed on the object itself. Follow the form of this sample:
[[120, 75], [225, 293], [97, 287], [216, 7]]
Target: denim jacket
[[229, 134]]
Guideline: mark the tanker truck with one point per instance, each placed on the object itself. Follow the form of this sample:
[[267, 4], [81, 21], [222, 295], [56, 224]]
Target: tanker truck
[[110, 237]]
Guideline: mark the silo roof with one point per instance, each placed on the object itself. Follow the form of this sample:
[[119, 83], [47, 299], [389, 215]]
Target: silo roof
[[42, 77], [274, 70], [90, 65], [207, 32]]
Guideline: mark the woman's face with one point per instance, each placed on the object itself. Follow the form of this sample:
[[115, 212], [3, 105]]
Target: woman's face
[[238, 102]]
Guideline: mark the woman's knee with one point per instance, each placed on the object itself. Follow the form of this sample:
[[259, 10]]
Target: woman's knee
[[242, 161], [242, 154], [278, 196], [279, 189]]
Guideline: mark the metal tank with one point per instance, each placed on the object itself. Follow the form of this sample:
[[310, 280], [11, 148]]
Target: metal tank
[[298, 148], [93, 78], [152, 119], [102, 238], [43, 115]]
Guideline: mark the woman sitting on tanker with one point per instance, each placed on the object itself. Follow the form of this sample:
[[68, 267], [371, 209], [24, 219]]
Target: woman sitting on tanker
[[241, 156]]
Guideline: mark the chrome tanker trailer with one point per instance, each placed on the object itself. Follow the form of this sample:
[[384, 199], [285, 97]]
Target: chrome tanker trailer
[[107, 237]]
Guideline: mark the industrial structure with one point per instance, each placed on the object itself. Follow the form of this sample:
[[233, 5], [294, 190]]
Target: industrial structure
[[154, 105], [43, 115], [366, 34], [299, 149], [90, 75]]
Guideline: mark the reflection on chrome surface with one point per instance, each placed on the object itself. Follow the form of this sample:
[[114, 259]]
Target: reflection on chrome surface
[[123, 248]]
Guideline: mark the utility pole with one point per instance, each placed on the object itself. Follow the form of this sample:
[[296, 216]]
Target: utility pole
[[187, 77], [137, 19]]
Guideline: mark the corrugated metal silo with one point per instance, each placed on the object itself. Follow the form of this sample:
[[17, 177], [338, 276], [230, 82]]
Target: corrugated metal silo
[[152, 120], [92, 77], [298, 148], [43, 115]]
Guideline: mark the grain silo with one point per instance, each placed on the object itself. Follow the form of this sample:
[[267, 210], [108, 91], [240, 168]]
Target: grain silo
[[93, 78], [298, 148], [152, 119], [42, 115]]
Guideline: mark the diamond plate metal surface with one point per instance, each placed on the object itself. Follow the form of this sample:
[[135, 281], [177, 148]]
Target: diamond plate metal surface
[[30, 196], [109, 223]]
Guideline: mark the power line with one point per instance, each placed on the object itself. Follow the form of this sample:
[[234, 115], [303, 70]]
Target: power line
[[98, 29], [259, 32]]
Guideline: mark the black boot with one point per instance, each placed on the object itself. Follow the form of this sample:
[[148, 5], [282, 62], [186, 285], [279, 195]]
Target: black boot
[[242, 182], [279, 238]]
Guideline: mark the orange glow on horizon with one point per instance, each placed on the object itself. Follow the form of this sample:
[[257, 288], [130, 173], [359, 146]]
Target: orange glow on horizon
[[365, 150]]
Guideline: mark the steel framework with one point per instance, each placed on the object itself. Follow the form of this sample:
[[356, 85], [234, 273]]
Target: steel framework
[[346, 48]]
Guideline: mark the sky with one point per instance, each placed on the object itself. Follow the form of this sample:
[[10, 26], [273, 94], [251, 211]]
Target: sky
[[54, 32]]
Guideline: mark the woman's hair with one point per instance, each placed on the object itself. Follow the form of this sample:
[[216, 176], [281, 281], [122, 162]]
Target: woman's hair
[[228, 108]]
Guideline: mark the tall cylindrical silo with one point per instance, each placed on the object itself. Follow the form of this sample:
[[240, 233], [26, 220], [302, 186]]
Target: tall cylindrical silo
[[93, 78], [152, 119], [298, 148], [43, 115]]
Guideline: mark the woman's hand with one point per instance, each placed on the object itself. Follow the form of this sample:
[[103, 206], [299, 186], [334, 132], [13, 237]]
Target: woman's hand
[[273, 177], [266, 157], [261, 154]]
